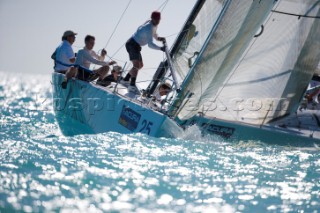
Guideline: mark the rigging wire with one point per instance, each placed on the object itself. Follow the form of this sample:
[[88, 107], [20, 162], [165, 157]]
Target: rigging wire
[[293, 14], [163, 5], [115, 28], [118, 23], [117, 51]]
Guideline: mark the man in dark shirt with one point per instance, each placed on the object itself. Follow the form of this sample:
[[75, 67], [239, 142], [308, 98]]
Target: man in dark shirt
[[113, 77]]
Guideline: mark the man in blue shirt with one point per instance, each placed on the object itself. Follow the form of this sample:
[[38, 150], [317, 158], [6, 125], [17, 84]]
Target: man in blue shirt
[[64, 56], [143, 36], [85, 58]]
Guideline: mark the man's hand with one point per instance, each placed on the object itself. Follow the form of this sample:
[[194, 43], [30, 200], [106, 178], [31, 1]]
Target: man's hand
[[161, 39], [163, 48], [103, 52], [112, 62]]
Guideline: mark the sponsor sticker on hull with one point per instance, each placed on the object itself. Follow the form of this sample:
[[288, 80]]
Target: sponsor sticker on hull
[[223, 131], [129, 118]]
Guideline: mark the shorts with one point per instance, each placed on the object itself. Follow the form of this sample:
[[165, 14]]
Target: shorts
[[84, 75], [134, 50]]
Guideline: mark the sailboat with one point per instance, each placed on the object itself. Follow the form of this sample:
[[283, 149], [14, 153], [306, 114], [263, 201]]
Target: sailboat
[[238, 69]]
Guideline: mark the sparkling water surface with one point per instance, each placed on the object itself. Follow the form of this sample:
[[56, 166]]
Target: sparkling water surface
[[42, 170]]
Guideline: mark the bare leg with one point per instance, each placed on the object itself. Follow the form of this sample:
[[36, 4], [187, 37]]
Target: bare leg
[[71, 72], [102, 72], [137, 65]]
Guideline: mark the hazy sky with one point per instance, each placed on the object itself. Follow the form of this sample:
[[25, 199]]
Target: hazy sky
[[30, 30]]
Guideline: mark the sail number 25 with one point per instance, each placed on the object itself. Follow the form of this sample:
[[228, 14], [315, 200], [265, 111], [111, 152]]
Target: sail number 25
[[146, 127]]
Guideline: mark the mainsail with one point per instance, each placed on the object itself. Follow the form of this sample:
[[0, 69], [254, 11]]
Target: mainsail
[[256, 62]]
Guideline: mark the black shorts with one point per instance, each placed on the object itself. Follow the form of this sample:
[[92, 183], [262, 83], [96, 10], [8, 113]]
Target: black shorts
[[134, 50], [84, 75]]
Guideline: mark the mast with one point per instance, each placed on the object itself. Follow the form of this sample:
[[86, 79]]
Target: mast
[[179, 100], [171, 67], [195, 11]]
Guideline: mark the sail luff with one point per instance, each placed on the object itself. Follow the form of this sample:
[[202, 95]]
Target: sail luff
[[254, 80], [240, 44], [183, 93], [214, 28], [226, 47], [196, 9]]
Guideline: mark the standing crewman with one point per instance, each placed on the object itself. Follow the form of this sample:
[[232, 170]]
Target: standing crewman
[[144, 35]]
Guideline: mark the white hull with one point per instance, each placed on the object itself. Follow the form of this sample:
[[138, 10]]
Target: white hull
[[94, 109], [302, 129], [98, 109]]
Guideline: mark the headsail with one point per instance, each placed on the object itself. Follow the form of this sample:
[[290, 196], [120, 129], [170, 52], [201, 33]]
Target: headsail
[[195, 35], [242, 78]]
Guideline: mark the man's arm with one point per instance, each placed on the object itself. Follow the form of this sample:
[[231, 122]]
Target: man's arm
[[89, 57], [155, 36], [151, 44], [70, 55], [99, 57]]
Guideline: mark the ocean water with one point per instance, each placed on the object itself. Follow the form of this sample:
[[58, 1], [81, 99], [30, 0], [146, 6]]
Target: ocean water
[[42, 170]]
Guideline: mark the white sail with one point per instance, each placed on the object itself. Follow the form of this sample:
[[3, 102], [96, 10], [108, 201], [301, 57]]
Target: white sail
[[318, 70], [230, 35], [196, 36], [269, 80]]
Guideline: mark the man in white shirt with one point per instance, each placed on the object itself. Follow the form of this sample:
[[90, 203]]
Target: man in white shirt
[[64, 56], [159, 96], [143, 36], [85, 57], [164, 89]]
